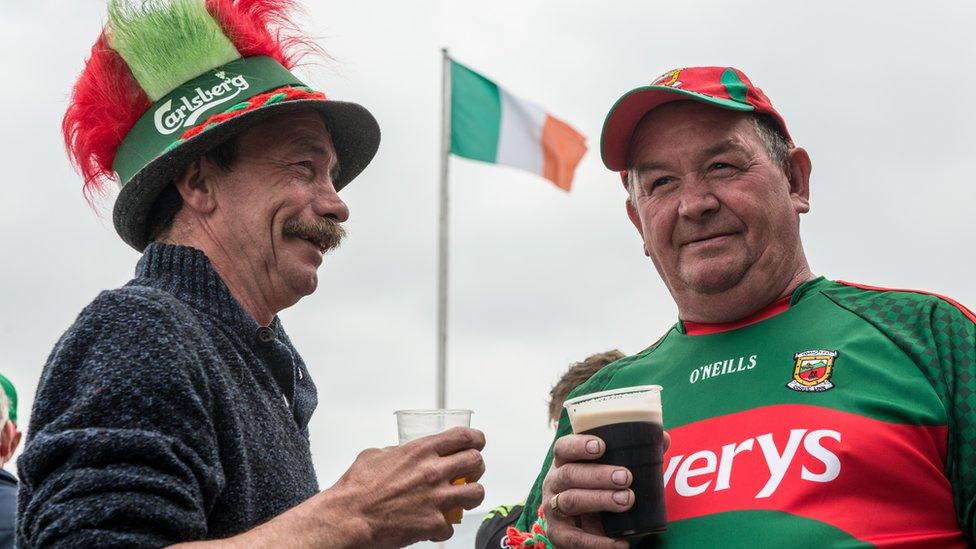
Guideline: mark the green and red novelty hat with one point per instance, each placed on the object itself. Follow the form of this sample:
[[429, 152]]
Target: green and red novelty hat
[[724, 87], [169, 80]]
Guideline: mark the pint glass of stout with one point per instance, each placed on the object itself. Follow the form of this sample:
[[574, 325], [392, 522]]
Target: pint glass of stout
[[629, 422], [414, 424]]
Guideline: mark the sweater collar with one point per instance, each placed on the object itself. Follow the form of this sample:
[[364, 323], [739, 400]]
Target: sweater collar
[[6, 477], [187, 274], [775, 308]]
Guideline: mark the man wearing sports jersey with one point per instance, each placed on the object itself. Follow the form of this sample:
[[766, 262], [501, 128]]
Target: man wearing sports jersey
[[802, 412]]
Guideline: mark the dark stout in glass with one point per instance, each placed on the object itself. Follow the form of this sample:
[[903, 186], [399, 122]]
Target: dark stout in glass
[[629, 420], [638, 446]]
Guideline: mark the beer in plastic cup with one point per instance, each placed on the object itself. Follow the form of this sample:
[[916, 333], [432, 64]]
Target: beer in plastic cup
[[414, 424]]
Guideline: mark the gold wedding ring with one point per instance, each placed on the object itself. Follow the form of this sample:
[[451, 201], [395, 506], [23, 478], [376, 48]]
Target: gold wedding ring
[[554, 505]]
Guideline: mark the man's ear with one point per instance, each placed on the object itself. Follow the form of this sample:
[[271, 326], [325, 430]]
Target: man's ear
[[634, 216], [196, 186], [7, 434], [799, 178], [635, 219], [16, 441]]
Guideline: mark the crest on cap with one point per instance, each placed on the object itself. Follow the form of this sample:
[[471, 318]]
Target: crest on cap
[[669, 79], [718, 86]]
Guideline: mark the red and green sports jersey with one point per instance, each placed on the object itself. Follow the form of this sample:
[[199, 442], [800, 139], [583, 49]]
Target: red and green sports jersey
[[848, 419]]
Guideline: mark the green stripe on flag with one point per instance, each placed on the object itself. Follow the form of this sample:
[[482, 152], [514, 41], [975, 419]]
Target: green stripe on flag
[[476, 114]]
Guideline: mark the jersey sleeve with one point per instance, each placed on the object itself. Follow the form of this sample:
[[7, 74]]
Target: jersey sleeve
[[954, 332], [939, 335], [491, 533], [121, 450]]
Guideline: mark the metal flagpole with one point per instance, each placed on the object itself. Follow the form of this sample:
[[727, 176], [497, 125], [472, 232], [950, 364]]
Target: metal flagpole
[[442, 248]]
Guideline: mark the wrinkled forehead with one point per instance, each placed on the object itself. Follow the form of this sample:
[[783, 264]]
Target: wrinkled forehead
[[688, 126], [301, 132]]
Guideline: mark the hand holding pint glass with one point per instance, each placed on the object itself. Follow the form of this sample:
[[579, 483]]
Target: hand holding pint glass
[[414, 424], [611, 465]]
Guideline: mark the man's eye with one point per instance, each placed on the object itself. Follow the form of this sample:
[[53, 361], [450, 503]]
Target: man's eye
[[307, 165], [659, 182], [721, 166], [649, 185]]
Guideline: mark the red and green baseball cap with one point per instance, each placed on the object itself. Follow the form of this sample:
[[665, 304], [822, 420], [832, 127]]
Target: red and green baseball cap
[[724, 87]]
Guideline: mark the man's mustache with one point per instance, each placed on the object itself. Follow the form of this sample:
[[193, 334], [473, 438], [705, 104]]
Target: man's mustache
[[324, 232]]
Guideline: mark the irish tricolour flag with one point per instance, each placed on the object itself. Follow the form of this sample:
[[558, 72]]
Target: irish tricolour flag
[[490, 124]]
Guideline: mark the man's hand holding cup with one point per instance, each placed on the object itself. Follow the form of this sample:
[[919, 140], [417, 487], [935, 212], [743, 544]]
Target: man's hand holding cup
[[589, 492]]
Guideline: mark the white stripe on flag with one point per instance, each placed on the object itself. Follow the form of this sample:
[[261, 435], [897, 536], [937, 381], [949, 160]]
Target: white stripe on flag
[[520, 134]]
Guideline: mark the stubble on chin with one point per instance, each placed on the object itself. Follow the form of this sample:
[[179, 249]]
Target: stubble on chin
[[717, 279], [299, 283]]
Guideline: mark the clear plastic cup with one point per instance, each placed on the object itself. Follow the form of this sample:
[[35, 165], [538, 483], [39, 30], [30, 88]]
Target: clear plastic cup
[[414, 424]]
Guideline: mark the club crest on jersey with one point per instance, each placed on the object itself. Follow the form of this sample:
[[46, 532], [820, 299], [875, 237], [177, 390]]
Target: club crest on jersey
[[812, 369]]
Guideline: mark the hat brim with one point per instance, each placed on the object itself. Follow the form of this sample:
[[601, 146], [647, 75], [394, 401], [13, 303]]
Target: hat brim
[[627, 112], [355, 136]]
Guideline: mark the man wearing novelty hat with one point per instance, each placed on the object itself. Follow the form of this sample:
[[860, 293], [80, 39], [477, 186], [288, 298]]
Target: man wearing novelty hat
[[802, 412], [175, 408]]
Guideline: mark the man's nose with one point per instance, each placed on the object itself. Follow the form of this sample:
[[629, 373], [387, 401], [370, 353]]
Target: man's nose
[[328, 204], [696, 199]]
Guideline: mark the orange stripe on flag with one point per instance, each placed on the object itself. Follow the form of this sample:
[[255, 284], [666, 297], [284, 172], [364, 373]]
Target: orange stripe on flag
[[562, 149]]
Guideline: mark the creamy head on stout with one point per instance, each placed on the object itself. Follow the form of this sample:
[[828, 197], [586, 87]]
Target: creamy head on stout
[[592, 411]]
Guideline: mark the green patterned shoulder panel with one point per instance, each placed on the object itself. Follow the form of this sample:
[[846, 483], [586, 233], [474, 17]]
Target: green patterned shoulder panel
[[934, 331], [939, 335]]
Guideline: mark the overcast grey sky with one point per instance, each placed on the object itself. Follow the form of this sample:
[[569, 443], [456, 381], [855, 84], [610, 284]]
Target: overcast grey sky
[[878, 92]]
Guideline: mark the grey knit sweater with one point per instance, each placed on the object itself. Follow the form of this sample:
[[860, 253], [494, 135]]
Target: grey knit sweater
[[165, 414]]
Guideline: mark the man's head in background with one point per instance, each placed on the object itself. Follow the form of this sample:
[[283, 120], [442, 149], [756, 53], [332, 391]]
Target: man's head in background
[[9, 435], [574, 376]]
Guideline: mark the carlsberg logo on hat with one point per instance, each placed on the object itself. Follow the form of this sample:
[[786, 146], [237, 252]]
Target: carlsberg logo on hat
[[168, 119]]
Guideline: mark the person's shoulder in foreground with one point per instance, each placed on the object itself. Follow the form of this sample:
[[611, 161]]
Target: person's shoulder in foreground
[[789, 399], [9, 440], [492, 531], [8, 509]]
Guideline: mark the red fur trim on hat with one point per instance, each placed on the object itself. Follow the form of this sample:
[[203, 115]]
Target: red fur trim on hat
[[262, 27], [105, 103], [256, 102]]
